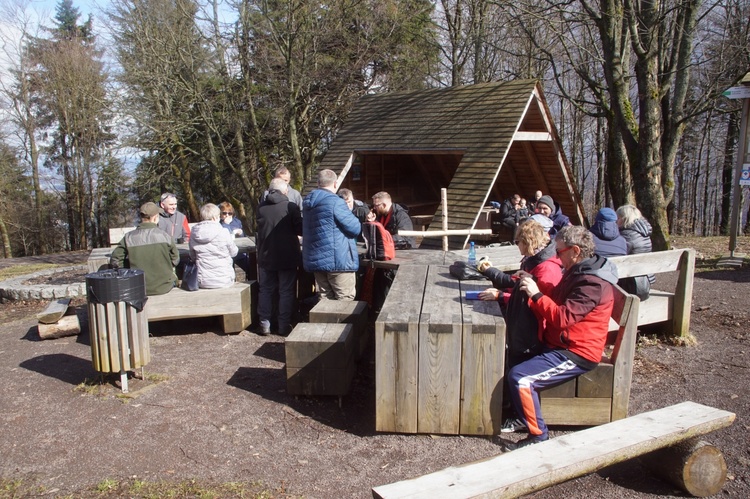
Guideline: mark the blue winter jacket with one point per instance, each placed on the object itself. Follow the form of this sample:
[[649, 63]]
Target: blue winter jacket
[[329, 234]]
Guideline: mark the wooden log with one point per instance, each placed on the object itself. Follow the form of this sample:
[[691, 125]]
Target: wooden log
[[449, 232], [68, 325], [54, 311], [697, 467]]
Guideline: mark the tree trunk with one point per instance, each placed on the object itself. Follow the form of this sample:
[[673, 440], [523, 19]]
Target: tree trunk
[[7, 251]]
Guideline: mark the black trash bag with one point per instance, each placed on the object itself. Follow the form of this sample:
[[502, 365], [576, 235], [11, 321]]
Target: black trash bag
[[463, 272], [117, 285]]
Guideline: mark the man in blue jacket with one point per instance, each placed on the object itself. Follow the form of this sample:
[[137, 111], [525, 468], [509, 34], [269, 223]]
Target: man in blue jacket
[[329, 235]]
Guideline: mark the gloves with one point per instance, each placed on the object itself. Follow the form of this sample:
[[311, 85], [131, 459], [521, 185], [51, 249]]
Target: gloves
[[483, 264]]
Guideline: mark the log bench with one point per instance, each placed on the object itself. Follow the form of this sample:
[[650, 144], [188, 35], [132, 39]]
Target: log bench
[[512, 474], [232, 304], [320, 359], [345, 312]]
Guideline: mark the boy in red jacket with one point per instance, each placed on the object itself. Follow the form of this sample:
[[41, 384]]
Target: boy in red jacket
[[576, 315]]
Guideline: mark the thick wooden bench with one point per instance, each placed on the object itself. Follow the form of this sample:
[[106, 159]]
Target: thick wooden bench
[[232, 304], [539, 466], [345, 312], [320, 359], [602, 394]]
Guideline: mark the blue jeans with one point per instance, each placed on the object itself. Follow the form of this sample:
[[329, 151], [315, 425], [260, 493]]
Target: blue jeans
[[272, 283], [547, 369]]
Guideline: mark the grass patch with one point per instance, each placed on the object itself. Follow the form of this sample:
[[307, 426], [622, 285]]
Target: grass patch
[[16, 488], [18, 270], [134, 488], [140, 489]]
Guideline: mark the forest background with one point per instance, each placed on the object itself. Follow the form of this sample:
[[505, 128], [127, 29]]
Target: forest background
[[205, 98]]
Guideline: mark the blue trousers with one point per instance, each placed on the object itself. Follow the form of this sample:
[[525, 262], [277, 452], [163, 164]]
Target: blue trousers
[[547, 369], [277, 282]]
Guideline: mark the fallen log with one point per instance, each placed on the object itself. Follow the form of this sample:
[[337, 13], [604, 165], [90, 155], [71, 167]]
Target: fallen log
[[68, 325]]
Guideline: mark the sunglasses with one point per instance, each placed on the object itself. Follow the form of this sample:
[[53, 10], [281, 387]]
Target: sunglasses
[[564, 250], [227, 213]]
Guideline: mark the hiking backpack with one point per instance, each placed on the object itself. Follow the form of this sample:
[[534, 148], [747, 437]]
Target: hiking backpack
[[379, 242]]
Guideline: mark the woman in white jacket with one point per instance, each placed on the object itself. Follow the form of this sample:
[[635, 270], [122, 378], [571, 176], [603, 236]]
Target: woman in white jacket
[[212, 249]]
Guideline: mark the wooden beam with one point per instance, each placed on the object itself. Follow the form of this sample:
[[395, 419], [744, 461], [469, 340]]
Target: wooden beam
[[441, 233], [533, 136], [541, 182]]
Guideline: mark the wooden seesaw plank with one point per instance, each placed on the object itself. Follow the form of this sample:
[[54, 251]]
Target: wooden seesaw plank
[[539, 466]]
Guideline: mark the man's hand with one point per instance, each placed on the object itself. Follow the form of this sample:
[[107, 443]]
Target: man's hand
[[529, 285]]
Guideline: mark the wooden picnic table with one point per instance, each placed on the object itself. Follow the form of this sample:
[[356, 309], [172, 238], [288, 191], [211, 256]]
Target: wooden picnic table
[[440, 357]]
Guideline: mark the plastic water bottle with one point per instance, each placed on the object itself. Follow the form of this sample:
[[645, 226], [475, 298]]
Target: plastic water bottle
[[472, 256]]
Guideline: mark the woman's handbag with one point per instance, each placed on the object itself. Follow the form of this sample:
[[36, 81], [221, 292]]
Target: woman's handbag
[[190, 277]]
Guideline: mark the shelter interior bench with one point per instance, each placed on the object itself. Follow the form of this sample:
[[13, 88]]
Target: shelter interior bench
[[699, 469]]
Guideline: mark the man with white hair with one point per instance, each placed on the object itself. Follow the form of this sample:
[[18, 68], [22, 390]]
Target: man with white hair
[[172, 221]]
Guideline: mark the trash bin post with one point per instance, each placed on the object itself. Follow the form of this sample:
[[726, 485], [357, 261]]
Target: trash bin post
[[117, 323]]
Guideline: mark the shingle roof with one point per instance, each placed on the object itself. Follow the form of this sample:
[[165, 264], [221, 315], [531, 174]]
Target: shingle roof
[[480, 120]]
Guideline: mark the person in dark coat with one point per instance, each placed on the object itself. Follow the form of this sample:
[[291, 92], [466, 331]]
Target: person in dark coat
[[509, 211], [359, 208], [607, 239], [279, 256], [549, 208], [637, 233], [394, 217]]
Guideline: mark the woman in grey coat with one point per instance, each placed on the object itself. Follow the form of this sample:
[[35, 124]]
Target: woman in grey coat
[[212, 249], [637, 233]]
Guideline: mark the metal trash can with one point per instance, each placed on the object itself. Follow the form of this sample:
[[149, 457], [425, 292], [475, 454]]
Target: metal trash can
[[118, 325]]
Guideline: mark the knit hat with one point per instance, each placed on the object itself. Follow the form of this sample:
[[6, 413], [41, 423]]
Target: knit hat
[[548, 201], [149, 209], [606, 215], [542, 220]]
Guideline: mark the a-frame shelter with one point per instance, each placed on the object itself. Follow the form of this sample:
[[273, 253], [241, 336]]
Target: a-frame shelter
[[482, 142]]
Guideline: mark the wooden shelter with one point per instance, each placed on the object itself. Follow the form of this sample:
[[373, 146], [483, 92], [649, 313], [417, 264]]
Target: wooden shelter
[[482, 142]]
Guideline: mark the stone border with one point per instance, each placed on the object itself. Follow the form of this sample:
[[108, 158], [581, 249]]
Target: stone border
[[14, 289]]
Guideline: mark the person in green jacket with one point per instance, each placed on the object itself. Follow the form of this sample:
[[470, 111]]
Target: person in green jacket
[[151, 250]]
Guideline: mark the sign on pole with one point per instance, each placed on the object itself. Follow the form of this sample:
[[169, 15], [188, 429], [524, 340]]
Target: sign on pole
[[742, 92], [745, 175]]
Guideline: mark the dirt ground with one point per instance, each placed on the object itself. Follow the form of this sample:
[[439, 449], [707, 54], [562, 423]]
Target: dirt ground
[[213, 408]]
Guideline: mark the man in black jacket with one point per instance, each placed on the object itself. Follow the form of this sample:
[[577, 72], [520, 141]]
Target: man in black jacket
[[394, 217], [279, 256]]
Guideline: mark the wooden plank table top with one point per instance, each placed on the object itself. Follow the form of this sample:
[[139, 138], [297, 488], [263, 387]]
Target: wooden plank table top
[[439, 356]]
